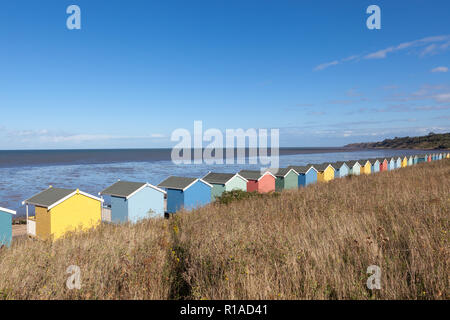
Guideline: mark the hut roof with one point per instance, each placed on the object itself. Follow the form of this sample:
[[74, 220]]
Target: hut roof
[[352, 163], [180, 183], [302, 169], [281, 172], [51, 197], [338, 164], [220, 178], [125, 189], [322, 166], [254, 174]]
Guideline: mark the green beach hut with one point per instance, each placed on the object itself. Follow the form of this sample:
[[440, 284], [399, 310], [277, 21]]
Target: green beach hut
[[222, 182], [286, 178]]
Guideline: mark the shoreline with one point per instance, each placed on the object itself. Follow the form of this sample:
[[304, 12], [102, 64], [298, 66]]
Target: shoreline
[[43, 158]]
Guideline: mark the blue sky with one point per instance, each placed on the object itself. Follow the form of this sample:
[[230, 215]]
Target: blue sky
[[137, 70]]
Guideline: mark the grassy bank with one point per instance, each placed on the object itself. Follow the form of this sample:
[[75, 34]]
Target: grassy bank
[[312, 243], [436, 141]]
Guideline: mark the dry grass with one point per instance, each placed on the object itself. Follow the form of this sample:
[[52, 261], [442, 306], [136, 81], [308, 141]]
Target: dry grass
[[116, 262], [312, 243], [316, 243]]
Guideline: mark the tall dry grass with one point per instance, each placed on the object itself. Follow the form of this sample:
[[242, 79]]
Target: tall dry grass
[[317, 242], [312, 243], [116, 262]]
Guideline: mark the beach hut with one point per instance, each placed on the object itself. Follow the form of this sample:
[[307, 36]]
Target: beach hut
[[384, 164], [222, 182], [440, 156], [366, 167], [416, 159], [433, 157], [325, 172], [410, 160], [422, 158], [58, 211], [132, 201], [286, 178], [6, 226], [398, 163], [429, 158], [355, 167], [259, 182], [341, 169], [391, 165], [306, 175], [404, 162], [375, 165], [187, 193], [448, 156]]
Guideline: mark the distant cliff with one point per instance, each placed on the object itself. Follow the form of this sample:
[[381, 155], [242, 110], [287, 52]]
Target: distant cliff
[[430, 141]]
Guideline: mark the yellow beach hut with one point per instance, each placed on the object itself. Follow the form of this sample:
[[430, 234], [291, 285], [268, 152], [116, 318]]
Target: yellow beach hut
[[366, 166], [58, 211], [325, 171], [404, 162]]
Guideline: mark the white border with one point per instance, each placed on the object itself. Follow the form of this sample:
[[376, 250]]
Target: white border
[[7, 210]]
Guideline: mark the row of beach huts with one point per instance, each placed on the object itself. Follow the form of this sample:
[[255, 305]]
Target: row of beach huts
[[58, 211]]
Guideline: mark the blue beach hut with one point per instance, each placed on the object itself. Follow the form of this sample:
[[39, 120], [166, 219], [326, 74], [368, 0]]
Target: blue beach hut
[[187, 193], [6, 226], [391, 164], [398, 162], [132, 201], [341, 169], [306, 175], [375, 165]]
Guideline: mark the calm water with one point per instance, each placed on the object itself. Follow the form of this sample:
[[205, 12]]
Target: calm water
[[25, 173]]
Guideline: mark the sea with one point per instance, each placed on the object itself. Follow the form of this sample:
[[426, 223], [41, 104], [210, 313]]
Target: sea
[[24, 173]]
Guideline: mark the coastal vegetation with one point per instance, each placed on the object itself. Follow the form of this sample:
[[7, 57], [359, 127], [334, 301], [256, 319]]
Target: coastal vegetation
[[315, 242], [430, 141]]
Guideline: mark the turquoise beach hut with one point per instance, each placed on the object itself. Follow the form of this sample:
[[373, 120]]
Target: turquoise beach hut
[[355, 167], [415, 159], [187, 193], [6, 226], [223, 182], [132, 201], [341, 169], [306, 175], [422, 158]]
